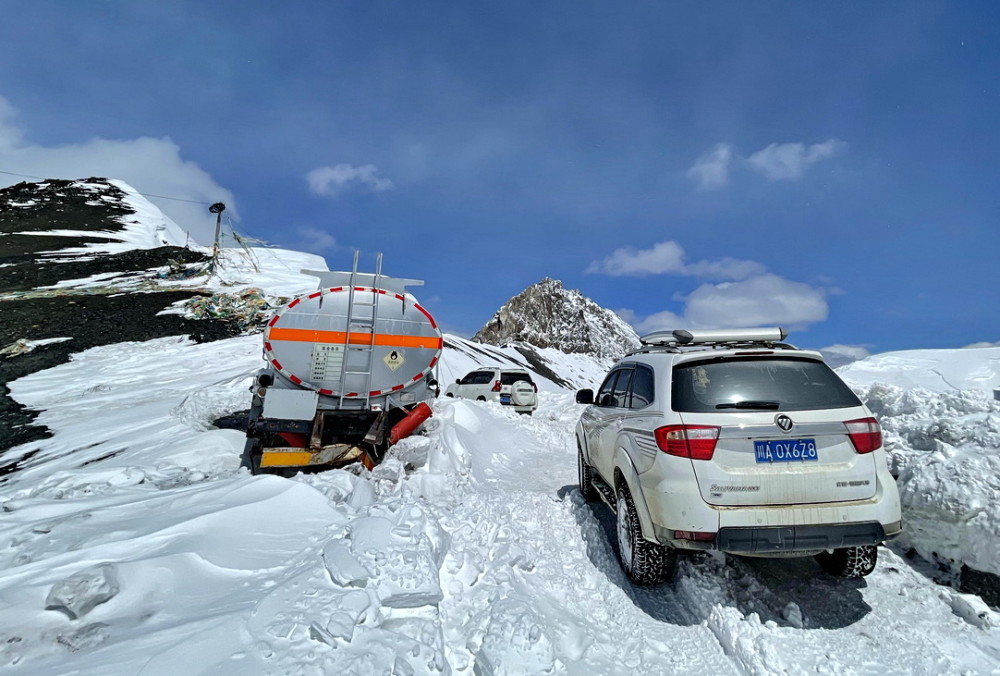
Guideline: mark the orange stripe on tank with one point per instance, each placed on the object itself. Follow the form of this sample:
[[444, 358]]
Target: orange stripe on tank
[[340, 337]]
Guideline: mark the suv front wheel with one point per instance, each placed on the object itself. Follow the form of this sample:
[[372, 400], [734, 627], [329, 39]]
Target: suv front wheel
[[644, 562]]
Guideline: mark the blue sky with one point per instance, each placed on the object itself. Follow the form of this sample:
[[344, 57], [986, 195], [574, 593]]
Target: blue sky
[[831, 167]]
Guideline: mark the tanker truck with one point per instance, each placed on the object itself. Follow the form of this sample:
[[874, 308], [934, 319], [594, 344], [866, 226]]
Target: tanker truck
[[349, 371]]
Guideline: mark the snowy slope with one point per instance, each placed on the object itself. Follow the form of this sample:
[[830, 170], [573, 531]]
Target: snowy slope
[[555, 371], [144, 227], [933, 370]]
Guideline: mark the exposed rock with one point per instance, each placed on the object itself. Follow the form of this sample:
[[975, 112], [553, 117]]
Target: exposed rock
[[547, 314]]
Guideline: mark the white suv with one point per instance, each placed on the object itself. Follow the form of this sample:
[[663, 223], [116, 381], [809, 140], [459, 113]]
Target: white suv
[[509, 387], [734, 441]]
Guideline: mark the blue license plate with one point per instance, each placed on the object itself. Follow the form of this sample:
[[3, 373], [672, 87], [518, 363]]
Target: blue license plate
[[786, 450], [504, 398]]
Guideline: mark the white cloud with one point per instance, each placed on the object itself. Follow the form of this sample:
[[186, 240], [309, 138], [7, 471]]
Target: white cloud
[[665, 257], [314, 239], [668, 258], [712, 169], [787, 161], [764, 300], [150, 165], [343, 177], [777, 162]]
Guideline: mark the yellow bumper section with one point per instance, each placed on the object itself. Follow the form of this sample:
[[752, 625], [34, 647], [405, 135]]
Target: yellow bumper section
[[337, 454], [286, 459]]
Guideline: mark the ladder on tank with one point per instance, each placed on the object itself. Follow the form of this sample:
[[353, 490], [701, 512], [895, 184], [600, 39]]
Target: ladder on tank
[[362, 316]]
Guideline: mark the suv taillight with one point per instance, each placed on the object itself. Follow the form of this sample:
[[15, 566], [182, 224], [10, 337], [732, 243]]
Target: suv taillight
[[535, 386], [688, 441], [496, 386], [865, 434]]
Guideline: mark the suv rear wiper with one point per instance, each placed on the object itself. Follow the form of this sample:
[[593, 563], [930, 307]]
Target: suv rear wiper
[[770, 405]]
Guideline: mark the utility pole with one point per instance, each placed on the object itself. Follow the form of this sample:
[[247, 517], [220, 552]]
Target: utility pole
[[216, 209]]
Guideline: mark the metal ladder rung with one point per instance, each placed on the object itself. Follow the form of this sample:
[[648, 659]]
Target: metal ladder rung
[[366, 322]]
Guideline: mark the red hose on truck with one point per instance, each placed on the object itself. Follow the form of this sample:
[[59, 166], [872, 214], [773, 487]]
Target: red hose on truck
[[405, 427]]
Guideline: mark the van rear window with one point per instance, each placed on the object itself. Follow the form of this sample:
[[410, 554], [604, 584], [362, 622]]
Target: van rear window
[[741, 384]]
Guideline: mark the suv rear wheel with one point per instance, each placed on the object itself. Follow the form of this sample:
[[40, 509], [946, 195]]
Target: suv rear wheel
[[644, 562], [850, 562]]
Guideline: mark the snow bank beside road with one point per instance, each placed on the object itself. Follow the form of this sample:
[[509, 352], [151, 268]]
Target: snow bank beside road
[[942, 431], [932, 370]]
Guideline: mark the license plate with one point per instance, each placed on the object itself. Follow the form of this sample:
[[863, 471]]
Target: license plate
[[504, 398], [786, 450]]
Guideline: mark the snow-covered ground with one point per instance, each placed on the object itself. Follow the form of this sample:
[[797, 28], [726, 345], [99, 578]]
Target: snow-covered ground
[[135, 544]]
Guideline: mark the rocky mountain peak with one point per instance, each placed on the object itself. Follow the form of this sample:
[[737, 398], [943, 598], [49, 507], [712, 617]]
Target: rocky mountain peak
[[547, 314]]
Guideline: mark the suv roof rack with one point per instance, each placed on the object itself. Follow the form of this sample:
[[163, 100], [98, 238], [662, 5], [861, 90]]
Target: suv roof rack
[[707, 339]]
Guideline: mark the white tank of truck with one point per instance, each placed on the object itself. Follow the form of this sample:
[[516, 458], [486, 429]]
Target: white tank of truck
[[350, 368]]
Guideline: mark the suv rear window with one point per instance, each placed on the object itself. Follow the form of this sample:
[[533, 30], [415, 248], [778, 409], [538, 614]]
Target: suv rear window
[[780, 384], [478, 378], [511, 378]]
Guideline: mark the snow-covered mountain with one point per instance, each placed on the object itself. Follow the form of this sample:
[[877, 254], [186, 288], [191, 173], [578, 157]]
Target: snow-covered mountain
[[132, 542], [548, 315]]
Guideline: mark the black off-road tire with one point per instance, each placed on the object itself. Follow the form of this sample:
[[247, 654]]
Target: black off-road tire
[[585, 477], [645, 563], [850, 562]]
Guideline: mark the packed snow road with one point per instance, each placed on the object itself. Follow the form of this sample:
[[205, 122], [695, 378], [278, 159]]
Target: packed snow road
[[133, 543], [551, 564]]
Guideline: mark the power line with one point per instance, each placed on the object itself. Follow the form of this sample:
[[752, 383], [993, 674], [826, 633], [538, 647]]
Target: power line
[[144, 194]]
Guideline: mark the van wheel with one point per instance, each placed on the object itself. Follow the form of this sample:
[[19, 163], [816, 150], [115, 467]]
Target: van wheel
[[585, 478], [850, 562], [645, 563]]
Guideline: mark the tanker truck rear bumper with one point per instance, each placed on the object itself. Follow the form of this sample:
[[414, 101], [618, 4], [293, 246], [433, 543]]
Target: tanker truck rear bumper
[[333, 439], [335, 455]]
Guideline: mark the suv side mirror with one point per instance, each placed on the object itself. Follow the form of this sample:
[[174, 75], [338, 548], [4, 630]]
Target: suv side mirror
[[458, 381], [585, 397]]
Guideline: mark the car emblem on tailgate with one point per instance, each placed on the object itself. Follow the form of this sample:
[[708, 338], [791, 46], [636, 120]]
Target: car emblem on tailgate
[[784, 422]]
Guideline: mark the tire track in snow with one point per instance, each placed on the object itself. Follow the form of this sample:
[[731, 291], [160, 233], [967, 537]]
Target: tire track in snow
[[532, 584]]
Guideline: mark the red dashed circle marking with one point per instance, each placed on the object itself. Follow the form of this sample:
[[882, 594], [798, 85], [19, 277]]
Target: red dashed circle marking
[[269, 349]]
